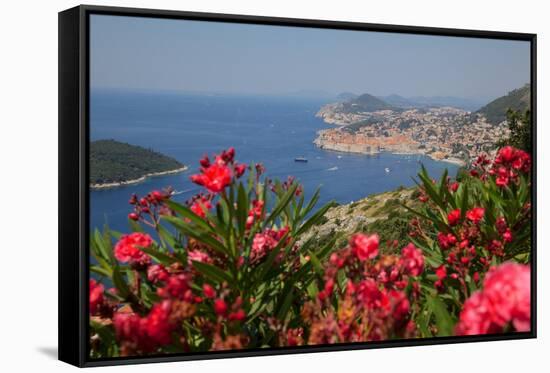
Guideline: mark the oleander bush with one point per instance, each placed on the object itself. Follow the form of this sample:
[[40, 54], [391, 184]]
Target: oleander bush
[[228, 269]]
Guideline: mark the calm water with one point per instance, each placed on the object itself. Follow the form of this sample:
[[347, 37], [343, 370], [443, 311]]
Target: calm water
[[262, 129]]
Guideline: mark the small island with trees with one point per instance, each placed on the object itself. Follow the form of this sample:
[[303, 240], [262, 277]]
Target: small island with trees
[[114, 164]]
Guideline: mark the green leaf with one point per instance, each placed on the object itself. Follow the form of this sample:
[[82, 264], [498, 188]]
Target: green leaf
[[101, 271], [201, 236], [285, 306], [464, 201], [242, 208], [281, 204], [443, 318], [120, 284], [268, 263], [430, 189], [312, 203], [166, 236], [159, 256], [316, 263], [103, 251], [106, 334], [134, 226], [314, 218], [212, 272], [187, 213]]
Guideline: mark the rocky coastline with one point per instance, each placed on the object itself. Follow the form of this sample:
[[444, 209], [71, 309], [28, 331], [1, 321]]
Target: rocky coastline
[[136, 181]]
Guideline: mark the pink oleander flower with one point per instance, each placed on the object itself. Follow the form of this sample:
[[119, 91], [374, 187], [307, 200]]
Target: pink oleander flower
[[177, 286], [441, 272], [214, 178], [400, 304], [506, 154], [476, 214], [240, 169], [446, 240], [96, 296], [220, 307], [454, 187], [508, 163], [264, 242], [412, 260], [197, 256], [128, 247], [158, 324], [157, 273], [507, 236], [228, 155], [128, 329], [504, 302], [256, 212], [146, 333], [368, 292], [200, 206], [208, 291], [238, 315], [453, 217], [501, 225], [363, 246]]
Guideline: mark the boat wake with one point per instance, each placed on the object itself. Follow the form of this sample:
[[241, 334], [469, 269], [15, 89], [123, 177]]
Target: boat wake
[[178, 192]]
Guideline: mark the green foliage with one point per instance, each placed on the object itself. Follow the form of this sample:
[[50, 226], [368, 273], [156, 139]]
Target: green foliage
[[517, 100], [112, 161], [520, 130], [268, 285], [394, 228], [510, 204], [246, 272]]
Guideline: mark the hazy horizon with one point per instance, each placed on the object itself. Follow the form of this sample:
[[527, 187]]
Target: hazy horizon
[[148, 54]]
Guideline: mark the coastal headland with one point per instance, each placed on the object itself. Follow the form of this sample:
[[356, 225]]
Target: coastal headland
[[366, 125]]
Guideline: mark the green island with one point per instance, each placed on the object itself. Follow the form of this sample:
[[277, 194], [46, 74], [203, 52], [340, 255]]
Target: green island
[[114, 164]]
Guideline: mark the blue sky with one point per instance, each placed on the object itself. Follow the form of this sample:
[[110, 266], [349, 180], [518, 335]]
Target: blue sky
[[161, 54]]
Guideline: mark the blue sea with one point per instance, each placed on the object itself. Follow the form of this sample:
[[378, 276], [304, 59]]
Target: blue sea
[[271, 130]]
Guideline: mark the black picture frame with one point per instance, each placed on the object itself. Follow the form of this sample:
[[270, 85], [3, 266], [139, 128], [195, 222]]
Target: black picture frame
[[74, 189]]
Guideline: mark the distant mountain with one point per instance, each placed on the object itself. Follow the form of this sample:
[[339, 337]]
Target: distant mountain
[[399, 101], [114, 162], [365, 103], [346, 96], [432, 101], [518, 99]]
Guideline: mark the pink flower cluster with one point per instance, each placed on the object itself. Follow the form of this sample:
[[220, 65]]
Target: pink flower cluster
[[150, 205], [145, 334], [506, 167], [375, 303], [256, 213], [96, 297], [503, 304], [201, 204], [264, 242], [127, 249], [217, 175], [364, 247]]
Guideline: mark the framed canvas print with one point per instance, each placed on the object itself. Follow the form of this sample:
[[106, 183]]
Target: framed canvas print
[[237, 186]]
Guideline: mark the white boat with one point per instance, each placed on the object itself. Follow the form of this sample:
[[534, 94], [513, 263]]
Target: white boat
[[387, 170], [332, 168]]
